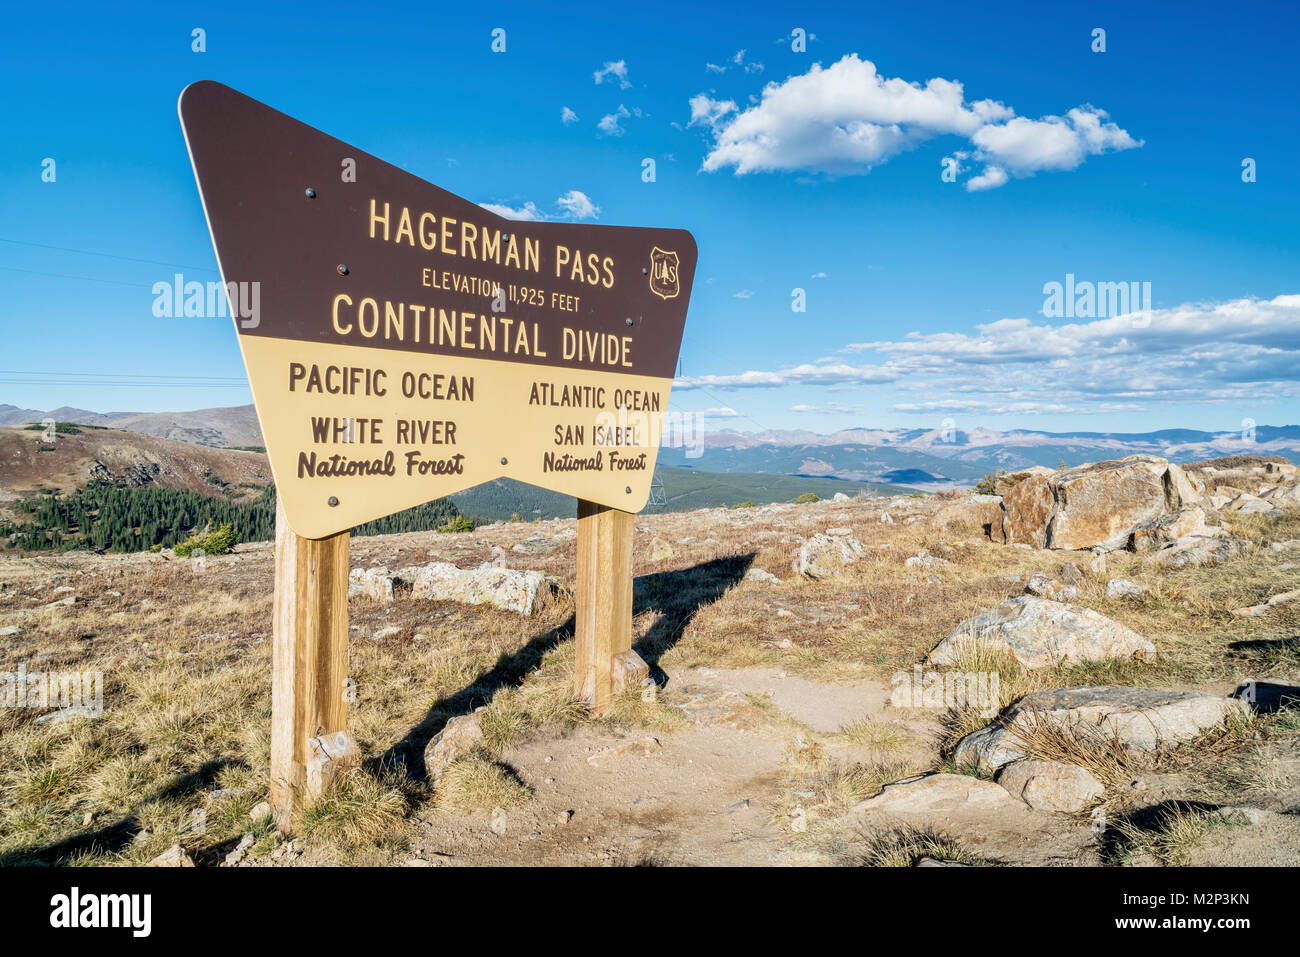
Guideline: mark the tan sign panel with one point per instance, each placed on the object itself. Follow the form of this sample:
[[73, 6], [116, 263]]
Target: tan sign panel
[[403, 343]]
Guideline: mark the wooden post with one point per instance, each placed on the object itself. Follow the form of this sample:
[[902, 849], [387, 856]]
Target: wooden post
[[604, 599], [310, 665]]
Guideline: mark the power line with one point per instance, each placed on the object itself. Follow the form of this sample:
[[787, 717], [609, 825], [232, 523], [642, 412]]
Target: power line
[[60, 275], [91, 252]]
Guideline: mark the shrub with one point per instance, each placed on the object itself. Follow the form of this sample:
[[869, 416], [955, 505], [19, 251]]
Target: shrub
[[216, 542], [988, 484], [458, 524], [807, 498]]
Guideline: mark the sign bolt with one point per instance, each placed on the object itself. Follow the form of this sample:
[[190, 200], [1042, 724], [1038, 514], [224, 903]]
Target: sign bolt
[[629, 320], [311, 193], [645, 271], [343, 270], [334, 501], [503, 460], [628, 490]]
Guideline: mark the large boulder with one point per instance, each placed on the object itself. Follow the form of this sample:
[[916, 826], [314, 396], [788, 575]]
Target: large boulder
[[1026, 509], [1051, 785], [938, 793], [1040, 634], [1212, 548], [509, 588], [1156, 532], [1100, 504], [1092, 505], [825, 556], [1141, 719]]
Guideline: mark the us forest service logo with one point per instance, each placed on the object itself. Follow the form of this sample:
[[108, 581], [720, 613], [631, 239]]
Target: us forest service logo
[[663, 273]]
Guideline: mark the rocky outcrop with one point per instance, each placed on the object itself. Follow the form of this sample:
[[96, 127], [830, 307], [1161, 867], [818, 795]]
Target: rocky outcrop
[[931, 793], [1092, 505], [512, 589], [825, 556], [1213, 549], [1041, 634], [1051, 785], [1139, 719]]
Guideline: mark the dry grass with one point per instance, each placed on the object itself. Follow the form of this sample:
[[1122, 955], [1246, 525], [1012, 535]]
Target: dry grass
[[907, 847], [476, 783], [1169, 839]]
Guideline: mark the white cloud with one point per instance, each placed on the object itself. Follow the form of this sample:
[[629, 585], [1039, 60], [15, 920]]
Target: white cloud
[[714, 68], [527, 212], [743, 294], [706, 111], [577, 205], [1242, 351], [819, 275], [614, 72], [609, 123], [567, 116], [847, 118], [834, 373]]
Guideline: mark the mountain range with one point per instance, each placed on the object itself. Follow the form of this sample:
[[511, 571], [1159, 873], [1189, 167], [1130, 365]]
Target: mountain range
[[921, 458]]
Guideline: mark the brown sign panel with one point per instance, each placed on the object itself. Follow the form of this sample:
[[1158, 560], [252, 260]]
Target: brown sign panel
[[403, 343]]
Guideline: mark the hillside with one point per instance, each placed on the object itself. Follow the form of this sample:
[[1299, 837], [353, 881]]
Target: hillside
[[799, 713], [683, 489]]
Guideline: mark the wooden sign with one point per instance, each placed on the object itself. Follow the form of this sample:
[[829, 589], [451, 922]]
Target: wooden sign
[[403, 343]]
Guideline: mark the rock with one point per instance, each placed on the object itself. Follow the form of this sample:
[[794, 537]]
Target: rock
[[241, 849], [925, 560], [660, 550], [938, 793], [630, 671], [1248, 504], [824, 557], [1091, 505], [886, 518], [934, 862], [533, 546], [759, 575], [1142, 719], [373, 583], [1051, 785], [498, 824], [1284, 496], [260, 811], [1196, 550], [1100, 504], [1156, 532], [67, 714], [645, 746], [1118, 589], [564, 817], [840, 497], [710, 706], [1045, 586], [1027, 508], [1005, 482], [510, 589], [327, 755], [1285, 546], [174, 856], [62, 602], [1042, 633], [1236, 814], [1264, 607], [839, 531], [388, 632], [458, 737], [9, 630], [1072, 574]]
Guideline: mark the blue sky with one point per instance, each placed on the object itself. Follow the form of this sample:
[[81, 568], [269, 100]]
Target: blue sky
[[817, 170]]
